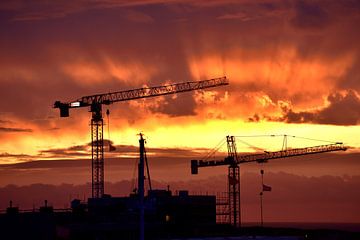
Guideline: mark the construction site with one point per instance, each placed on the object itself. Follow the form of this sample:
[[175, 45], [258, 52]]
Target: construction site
[[157, 213]]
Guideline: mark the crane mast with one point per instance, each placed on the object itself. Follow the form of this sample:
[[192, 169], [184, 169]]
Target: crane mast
[[233, 160], [95, 103], [233, 183]]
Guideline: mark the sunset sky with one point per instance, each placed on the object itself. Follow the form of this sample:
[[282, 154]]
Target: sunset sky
[[293, 68]]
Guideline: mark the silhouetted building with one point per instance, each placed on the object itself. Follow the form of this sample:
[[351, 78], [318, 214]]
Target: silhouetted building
[[113, 217]]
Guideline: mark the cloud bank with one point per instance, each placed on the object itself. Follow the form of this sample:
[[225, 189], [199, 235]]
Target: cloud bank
[[320, 199]]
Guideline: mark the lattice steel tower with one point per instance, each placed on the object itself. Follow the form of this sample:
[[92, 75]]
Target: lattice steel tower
[[95, 103]]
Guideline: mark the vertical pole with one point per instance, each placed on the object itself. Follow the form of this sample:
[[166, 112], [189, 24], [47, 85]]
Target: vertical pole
[[238, 194], [97, 151], [93, 154], [261, 197], [234, 183], [147, 170], [234, 195], [261, 209], [141, 187], [229, 196], [235, 210], [284, 146]]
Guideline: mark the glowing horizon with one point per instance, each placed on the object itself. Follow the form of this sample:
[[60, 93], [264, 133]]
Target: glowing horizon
[[285, 77]]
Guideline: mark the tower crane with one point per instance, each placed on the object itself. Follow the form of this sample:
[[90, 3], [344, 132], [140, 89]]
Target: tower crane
[[95, 102], [233, 160]]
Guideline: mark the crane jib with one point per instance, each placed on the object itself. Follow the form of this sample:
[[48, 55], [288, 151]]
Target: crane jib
[[264, 157], [146, 92], [151, 91]]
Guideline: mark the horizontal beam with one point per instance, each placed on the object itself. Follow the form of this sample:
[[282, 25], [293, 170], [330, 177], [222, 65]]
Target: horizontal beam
[[152, 91], [264, 157], [146, 92], [292, 153]]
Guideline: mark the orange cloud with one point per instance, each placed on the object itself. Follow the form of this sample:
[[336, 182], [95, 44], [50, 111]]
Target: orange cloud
[[272, 59], [270, 82], [99, 72]]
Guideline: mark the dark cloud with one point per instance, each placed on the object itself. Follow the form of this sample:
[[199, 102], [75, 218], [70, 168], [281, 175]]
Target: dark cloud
[[84, 151], [38, 10], [320, 29], [70, 152], [351, 79], [255, 118], [183, 105], [29, 100], [8, 155], [178, 160], [54, 129], [35, 96], [4, 121], [11, 157], [316, 198], [241, 16], [310, 15], [15, 130], [162, 152], [343, 109]]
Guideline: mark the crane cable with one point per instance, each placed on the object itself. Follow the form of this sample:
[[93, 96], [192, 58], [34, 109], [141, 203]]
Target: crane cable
[[284, 144], [250, 145], [133, 185], [215, 149], [133, 182], [133, 188], [284, 135], [312, 139], [147, 169]]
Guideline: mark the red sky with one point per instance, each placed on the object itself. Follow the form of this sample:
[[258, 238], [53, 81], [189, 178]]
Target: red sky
[[293, 67]]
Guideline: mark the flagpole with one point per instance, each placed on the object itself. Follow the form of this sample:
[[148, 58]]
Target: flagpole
[[261, 208], [261, 197]]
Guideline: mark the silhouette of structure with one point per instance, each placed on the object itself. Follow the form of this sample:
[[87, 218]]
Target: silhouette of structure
[[161, 214], [95, 103], [165, 214], [157, 215], [233, 160]]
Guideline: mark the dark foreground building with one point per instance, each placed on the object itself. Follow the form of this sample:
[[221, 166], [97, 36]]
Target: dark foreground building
[[166, 215]]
